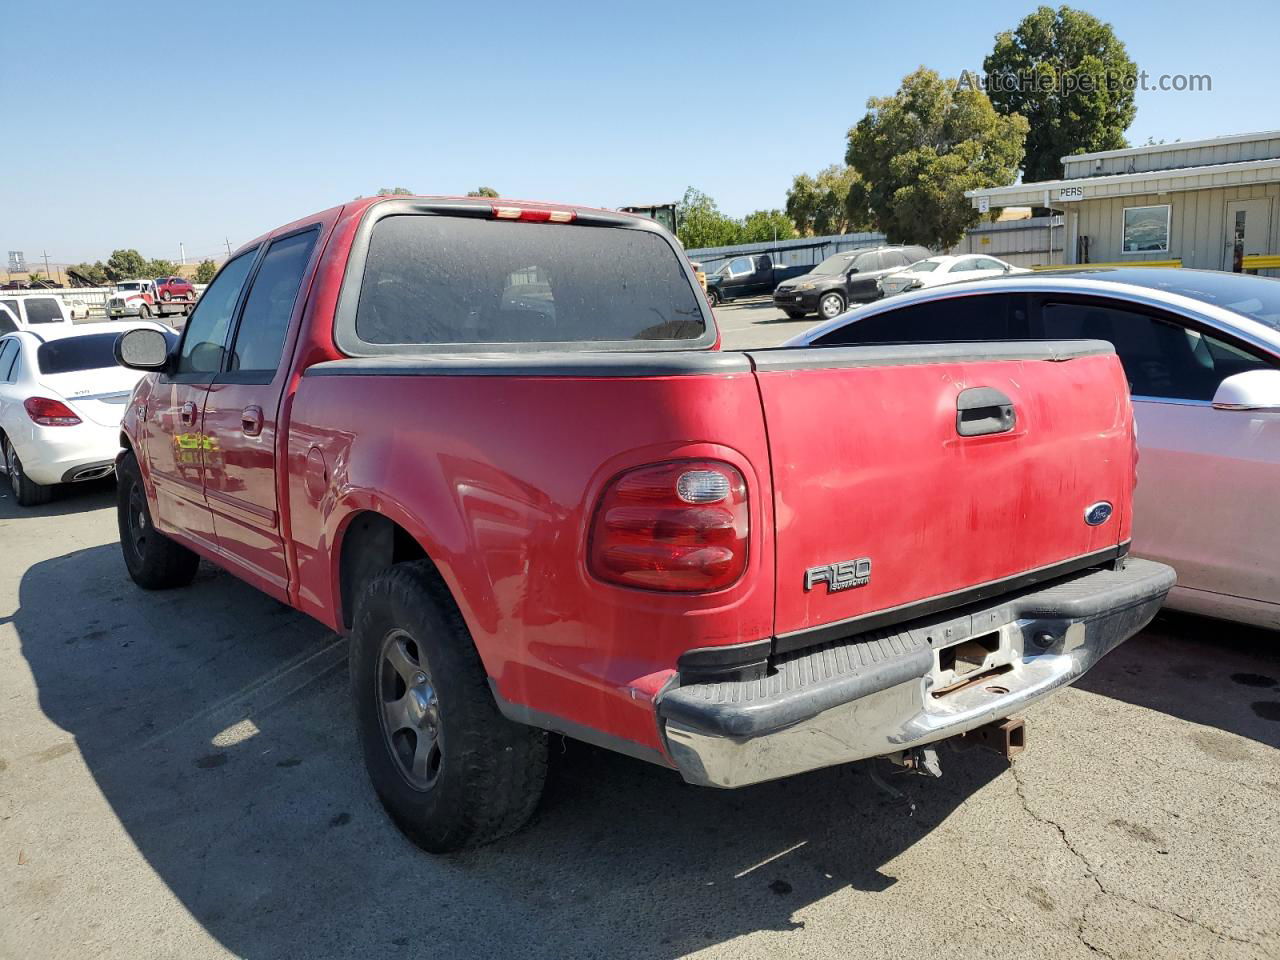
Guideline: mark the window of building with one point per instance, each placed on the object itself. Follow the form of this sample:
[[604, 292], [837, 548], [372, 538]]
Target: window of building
[[1146, 229]]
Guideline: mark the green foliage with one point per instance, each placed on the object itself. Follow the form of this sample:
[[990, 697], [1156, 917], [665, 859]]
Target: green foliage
[[1074, 85], [920, 149], [160, 268], [205, 271], [94, 273], [701, 224], [483, 192], [766, 226], [820, 206], [393, 192], [126, 265]]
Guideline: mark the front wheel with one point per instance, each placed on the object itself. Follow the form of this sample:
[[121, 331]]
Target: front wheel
[[713, 298], [166, 295], [153, 560], [449, 768], [831, 305], [144, 312], [26, 491]]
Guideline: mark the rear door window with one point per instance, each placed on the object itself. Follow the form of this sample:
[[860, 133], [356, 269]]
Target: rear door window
[[1161, 359], [8, 353], [269, 305], [435, 280], [987, 317]]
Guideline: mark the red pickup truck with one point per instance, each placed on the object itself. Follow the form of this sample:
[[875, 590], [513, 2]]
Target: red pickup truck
[[497, 444]]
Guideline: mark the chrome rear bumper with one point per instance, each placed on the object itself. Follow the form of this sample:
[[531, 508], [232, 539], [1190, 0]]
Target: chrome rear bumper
[[892, 690]]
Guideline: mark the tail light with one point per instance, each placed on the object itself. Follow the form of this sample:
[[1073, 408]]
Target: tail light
[[680, 526], [533, 215], [50, 413]]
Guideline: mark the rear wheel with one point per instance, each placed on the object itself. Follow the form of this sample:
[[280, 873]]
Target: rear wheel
[[153, 560], [26, 491], [449, 768], [831, 305]]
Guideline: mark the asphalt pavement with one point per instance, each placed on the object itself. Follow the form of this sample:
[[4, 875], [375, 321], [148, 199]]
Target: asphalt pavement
[[179, 778]]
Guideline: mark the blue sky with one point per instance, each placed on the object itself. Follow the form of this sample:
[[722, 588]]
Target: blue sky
[[266, 111]]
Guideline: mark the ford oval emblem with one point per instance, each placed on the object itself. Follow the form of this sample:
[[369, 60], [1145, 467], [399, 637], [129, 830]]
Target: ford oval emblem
[[1097, 514]]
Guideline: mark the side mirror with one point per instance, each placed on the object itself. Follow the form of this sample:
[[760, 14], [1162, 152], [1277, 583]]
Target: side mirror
[[1251, 390], [142, 349], [1007, 267]]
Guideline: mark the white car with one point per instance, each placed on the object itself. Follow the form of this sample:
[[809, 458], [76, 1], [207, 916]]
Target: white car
[[935, 271], [36, 310], [1201, 350], [62, 396]]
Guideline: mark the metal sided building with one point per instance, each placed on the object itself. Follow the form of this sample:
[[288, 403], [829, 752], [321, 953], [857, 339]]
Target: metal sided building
[[1210, 204]]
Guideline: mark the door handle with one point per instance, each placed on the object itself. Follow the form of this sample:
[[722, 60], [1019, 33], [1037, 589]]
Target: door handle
[[251, 420], [984, 410], [187, 413]]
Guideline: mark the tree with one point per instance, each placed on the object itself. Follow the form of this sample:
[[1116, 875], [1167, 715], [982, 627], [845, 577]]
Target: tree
[[125, 265], [160, 268], [1068, 74], [820, 205], [483, 192], [393, 192], [920, 149], [95, 274], [701, 224], [765, 226], [205, 271]]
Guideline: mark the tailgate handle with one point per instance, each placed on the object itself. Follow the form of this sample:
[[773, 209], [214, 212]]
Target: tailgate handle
[[984, 410]]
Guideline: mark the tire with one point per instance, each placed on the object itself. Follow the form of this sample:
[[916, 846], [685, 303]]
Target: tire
[[26, 491], [144, 312], [456, 773], [795, 314], [830, 305], [713, 297], [153, 560], [166, 295]]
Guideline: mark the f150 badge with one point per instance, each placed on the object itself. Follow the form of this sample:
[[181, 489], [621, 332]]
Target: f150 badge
[[839, 576]]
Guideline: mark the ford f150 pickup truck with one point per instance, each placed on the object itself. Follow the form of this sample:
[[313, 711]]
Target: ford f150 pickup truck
[[497, 444]]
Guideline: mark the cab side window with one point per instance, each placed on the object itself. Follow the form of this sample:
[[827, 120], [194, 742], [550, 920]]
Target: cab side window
[[205, 339], [999, 316], [741, 266], [264, 322], [1161, 358]]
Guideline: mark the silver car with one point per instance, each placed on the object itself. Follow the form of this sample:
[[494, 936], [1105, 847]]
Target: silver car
[[1201, 350]]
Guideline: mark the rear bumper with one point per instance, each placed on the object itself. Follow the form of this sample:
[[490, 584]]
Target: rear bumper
[[53, 455], [891, 690]]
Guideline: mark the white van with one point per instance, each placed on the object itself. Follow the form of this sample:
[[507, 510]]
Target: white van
[[35, 309]]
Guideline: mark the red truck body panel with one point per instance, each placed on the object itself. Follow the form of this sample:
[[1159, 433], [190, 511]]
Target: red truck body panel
[[867, 463], [497, 478]]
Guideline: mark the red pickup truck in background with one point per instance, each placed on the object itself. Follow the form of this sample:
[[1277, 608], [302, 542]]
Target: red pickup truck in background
[[497, 445]]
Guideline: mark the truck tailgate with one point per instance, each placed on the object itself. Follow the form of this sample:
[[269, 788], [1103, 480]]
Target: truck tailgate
[[889, 498]]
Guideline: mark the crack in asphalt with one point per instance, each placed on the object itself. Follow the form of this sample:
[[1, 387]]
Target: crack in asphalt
[[1091, 873]]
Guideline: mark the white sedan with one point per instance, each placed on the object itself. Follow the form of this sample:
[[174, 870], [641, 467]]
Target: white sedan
[[1201, 350], [62, 395], [935, 271]]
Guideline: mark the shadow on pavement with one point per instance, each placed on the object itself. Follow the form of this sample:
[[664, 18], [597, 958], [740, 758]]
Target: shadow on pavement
[[215, 722], [1210, 672], [68, 498]]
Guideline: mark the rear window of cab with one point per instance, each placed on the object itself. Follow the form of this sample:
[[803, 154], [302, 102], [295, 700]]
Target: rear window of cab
[[440, 281]]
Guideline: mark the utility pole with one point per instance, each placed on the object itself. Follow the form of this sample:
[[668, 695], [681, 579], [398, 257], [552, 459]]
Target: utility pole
[[47, 275], [228, 243], [182, 253]]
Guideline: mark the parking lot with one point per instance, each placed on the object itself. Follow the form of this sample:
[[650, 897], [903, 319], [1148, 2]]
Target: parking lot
[[179, 777]]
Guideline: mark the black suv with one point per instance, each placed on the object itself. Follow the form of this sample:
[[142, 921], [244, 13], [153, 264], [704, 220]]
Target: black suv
[[842, 279]]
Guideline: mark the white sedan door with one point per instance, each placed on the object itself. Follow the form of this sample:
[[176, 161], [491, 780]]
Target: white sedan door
[[1207, 478]]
